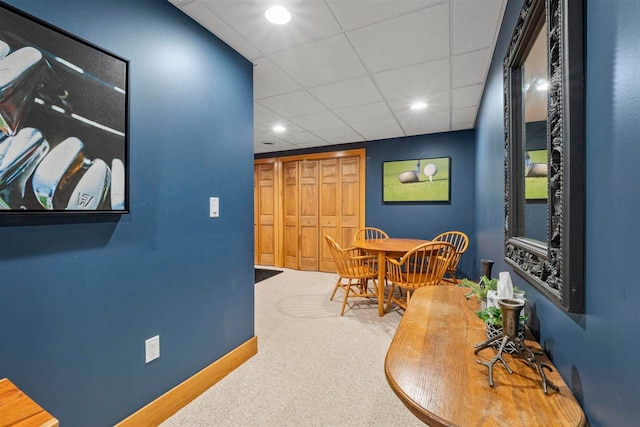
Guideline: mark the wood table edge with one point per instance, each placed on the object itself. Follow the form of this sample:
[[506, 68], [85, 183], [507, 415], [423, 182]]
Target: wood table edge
[[420, 412]]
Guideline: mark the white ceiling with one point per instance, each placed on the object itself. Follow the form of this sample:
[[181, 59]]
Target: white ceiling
[[348, 70]]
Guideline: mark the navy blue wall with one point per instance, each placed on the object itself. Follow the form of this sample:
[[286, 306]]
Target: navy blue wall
[[79, 296], [596, 353], [420, 221]]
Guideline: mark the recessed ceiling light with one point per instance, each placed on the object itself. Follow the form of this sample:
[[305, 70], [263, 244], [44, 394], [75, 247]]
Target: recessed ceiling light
[[418, 105], [278, 15], [279, 128]]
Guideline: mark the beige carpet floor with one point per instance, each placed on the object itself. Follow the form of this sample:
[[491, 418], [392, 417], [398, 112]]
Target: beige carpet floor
[[313, 367]]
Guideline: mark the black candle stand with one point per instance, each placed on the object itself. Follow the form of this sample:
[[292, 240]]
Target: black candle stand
[[511, 309]]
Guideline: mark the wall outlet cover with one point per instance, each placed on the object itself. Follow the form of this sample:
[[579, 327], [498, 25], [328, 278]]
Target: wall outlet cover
[[152, 349]]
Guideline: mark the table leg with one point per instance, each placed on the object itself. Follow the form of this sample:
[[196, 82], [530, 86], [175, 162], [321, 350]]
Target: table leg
[[382, 265]]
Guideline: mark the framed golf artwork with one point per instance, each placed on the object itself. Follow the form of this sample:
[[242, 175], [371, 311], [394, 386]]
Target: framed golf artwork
[[417, 181], [63, 121], [536, 169]]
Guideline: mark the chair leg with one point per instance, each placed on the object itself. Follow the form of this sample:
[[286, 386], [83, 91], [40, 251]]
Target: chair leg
[[335, 288], [393, 285], [346, 297]]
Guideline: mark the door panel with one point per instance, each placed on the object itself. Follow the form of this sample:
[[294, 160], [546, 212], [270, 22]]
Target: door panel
[[309, 215], [290, 205], [266, 214], [329, 208], [349, 199]]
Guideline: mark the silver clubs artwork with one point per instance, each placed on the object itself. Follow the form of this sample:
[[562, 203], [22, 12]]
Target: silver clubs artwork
[[82, 183], [92, 188], [22, 74], [117, 185], [57, 170], [19, 156], [63, 121]]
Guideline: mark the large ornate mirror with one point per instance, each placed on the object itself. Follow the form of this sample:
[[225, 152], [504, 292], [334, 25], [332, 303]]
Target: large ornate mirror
[[544, 156]]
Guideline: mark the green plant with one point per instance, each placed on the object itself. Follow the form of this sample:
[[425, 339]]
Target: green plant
[[480, 289], [493, 316]]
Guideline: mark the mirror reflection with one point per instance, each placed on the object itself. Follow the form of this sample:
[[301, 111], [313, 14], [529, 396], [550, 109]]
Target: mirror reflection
[[534, 151]]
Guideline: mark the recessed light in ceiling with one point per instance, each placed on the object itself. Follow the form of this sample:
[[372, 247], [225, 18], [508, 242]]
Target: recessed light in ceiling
[[279, 128], [278, 15], [419, 105]]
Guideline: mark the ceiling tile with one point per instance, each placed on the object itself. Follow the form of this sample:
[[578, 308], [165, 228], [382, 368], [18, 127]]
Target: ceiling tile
[[260, 149], [415, 123], [269, 80], [210, 21], [180, 2], [312, 122], [338, 134], [366, 113], [309, 20], [321, 62], [277, 144], [293, 104], [319, 143], [475, 24], [267, 128], [468, 96], [471, 68], [436, 102], [379, 130], [464, 115], [272, 144], [298, 138], [351, 14], [360, 90], [261, 114], [414, 81], [462, 126], [411, 39]]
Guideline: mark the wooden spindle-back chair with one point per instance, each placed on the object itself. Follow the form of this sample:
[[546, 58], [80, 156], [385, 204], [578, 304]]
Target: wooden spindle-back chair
[[424, 265], [460, 241], [355, 269]]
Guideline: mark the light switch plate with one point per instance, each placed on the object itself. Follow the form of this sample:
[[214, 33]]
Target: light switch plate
[[214, 207]]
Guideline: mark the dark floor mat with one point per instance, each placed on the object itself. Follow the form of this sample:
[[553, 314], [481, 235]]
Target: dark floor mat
[[263, 274]]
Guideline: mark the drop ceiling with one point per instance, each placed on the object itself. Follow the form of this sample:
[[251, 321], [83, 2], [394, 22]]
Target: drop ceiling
[[346, 71]]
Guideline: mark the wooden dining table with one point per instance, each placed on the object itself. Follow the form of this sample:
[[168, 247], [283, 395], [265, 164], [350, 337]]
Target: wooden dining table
[[393, 247]]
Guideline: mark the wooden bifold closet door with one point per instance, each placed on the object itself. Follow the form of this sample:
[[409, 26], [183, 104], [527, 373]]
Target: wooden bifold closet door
[[299, 199]]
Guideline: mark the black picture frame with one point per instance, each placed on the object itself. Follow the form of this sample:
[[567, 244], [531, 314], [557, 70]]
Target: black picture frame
[[64, 121], [417, 181], [555, 266]]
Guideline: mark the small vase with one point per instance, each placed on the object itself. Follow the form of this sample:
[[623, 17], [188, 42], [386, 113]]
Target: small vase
[[487, 265]]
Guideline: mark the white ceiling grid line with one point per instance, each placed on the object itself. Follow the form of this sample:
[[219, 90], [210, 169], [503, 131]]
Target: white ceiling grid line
[[348, 70]]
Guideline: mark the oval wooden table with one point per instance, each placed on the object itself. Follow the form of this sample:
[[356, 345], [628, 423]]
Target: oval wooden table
[[384, 248], [431, 367]]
